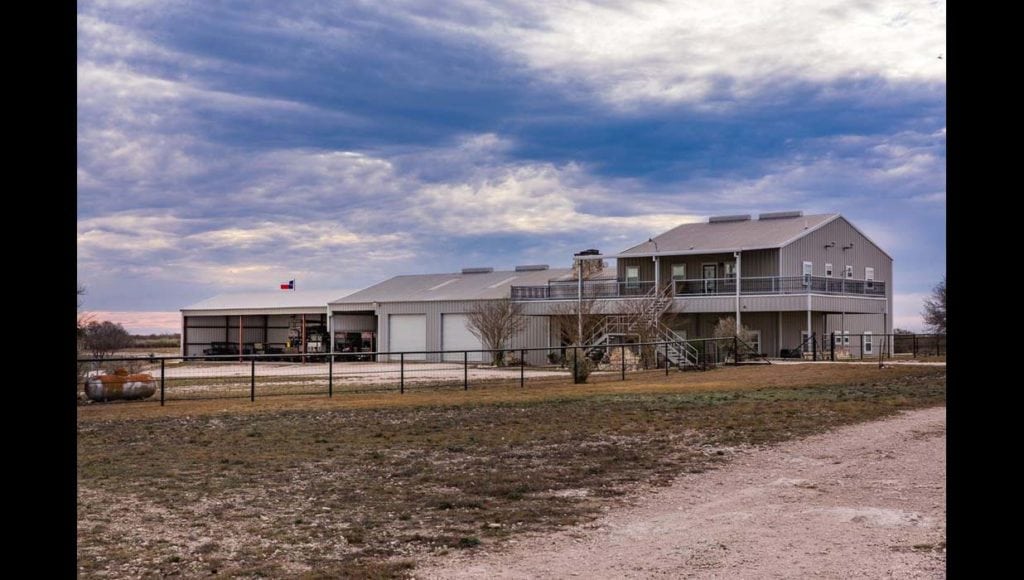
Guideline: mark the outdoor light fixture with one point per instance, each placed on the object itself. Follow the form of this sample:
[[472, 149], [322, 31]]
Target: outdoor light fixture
[[848, 246], [830, 245]]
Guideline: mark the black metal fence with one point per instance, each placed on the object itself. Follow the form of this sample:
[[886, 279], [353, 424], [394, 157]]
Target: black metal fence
[[253, 375], [844, 346], [248, 376]]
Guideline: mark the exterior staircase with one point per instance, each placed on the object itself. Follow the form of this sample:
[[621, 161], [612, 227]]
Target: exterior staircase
[[678, 351]]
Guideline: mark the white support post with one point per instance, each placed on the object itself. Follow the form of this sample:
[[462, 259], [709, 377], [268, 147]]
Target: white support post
[[657, 274], [330, 331], [737, 255], [579, 301], [808, 315]]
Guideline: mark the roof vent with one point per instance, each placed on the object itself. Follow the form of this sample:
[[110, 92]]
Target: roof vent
[[532, 267], [477, 270], [729, 218], [778, 215]]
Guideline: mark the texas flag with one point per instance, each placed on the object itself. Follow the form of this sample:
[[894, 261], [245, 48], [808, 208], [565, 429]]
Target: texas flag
[[289, 286]]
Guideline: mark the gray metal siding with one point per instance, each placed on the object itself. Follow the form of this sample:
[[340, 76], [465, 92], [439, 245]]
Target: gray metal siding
[[702, 326], [353, 322], [812, 248], [856, 324], [534, 335], [863, 254], [753, 263]]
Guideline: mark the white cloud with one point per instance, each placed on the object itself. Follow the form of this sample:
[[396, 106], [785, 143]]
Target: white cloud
[[536, 198], [631, 52], [907, 310]]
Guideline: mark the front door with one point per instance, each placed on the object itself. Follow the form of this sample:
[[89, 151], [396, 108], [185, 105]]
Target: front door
[[710, 273]]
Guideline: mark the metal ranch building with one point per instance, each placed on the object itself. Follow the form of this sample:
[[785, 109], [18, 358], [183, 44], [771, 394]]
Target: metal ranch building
[[784, 275]]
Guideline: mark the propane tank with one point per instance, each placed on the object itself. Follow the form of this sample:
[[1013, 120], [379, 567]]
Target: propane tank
[[120, 385]]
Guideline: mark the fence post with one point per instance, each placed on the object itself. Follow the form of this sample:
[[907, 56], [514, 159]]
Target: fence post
[[862, 346], [880, 351], [915, 344], [832, 347], [401, 373], [623, 347], [522, 368], [938, 346], [252, 381], [667, 362], [330, 375], [575, 364], [814, 346], [465, 370], [162, 361], [735, 350]]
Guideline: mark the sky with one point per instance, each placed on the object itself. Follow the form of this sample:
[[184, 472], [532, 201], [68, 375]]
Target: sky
[[232, 146]]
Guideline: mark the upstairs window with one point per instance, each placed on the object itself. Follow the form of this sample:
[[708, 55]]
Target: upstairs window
[[679, 271], [849, 271], [730, 269], [808, 270], [828, 270], [869, 277], [632, 276]]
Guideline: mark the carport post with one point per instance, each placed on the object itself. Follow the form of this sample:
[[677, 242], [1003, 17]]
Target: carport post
[[522, 368], [623, 347], [252, 381], [330, 375], [162, 382], [401, 371], [465, 370]]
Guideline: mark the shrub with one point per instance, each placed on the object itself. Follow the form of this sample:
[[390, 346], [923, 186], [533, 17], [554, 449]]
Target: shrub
[[581, 364]]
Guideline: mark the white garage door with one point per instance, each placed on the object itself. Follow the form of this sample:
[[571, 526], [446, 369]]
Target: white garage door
[[407, 332], [455, 335]]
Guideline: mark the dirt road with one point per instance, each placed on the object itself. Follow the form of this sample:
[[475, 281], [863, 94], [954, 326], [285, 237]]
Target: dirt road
[[863, 501]]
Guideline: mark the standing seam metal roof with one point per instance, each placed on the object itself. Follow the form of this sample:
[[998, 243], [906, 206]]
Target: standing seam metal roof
[[731, 236], [279, 299], [454, 286]]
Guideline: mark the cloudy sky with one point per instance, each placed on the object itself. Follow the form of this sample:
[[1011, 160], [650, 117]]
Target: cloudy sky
[[232, 146]]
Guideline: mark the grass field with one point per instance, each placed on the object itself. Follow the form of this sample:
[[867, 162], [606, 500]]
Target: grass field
[[362, 485]]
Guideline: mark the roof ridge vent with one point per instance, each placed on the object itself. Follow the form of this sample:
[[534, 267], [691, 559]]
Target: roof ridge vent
[[777, 215], [477, 270], [532, 267], [717, 219]]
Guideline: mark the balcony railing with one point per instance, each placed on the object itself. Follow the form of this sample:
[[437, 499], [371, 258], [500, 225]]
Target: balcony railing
[[703, 287]]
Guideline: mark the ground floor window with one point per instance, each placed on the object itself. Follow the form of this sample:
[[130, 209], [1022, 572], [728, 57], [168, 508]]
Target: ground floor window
[[755, 341]]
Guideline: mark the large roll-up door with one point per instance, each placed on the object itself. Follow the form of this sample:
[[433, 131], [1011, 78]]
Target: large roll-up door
[[406, 333], [455, 335]]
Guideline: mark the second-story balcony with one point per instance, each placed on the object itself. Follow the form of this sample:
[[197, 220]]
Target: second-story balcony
[[566, 290]]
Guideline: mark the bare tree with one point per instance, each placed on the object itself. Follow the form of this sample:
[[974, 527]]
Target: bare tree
[[495, 322], [83, 320], [104, 338], [726, 328], [935, 308], [568, 314]]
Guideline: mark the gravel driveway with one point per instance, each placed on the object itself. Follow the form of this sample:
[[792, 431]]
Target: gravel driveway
[[866, 501]]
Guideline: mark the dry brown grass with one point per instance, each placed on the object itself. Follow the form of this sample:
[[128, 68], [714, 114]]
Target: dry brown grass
[[360, 485], [652, 382]]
